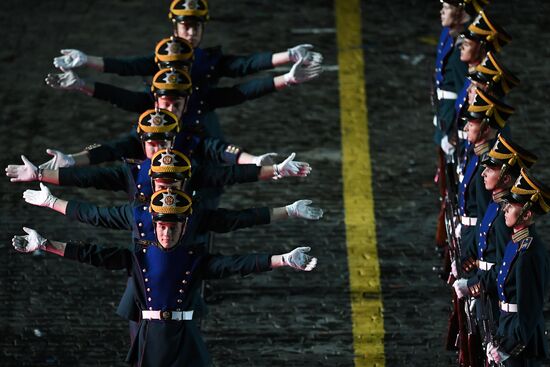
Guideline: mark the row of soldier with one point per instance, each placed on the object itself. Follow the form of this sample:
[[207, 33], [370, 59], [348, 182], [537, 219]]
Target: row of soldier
[[175, 163], [496, 263]]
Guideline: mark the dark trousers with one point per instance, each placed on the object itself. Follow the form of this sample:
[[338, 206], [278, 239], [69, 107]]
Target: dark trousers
[[521, 361]]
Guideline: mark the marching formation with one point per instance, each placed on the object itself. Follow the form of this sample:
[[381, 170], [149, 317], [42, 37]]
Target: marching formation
[[490, 199], [172, 165]]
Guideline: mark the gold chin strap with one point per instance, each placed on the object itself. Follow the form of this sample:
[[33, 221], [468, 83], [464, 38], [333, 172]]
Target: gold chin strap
[[526, 207]]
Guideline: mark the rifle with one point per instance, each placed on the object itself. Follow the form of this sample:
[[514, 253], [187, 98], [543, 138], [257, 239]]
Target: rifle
[[467, 338], [488, 324]]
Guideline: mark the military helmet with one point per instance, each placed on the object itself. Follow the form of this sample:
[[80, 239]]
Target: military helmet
[[495, 76], [489, 110], [509, 156], [172, 82], [170, 205], [174, 52], [170, 164], [474, 7], [488, 33], [158, 124], [530, 192], [182, 10]]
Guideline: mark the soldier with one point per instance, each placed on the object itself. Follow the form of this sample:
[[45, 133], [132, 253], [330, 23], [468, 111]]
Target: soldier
[[165, 272], [502, 167], [522, 279]]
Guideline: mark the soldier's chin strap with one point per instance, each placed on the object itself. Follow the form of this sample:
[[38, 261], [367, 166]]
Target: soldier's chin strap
[[526, 207]]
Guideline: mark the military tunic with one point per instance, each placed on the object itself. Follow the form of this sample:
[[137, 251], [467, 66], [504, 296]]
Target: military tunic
[[163, 280], [522, 280]]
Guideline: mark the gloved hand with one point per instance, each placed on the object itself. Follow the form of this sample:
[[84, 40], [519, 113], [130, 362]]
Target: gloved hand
[[289, 167], [461, 288], [22, 173], [454, 269], [303, 51], [66, 81], [264, 159], [494, 355], [29, 243], [446, 146], [301, 209], [59, 160], [458, 229], [299, 259], [40, 198], [301, 73], [71, 59]]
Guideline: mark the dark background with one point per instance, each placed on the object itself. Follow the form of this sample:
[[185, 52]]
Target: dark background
[[59, 313]]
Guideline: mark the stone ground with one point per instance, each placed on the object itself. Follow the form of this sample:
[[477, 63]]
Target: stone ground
[[56, 313]]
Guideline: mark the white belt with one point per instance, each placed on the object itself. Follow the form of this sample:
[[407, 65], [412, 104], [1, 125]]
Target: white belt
[[484, 265], [468, 221], [445, 94], [508, 307], [167, 315], [462, 134]]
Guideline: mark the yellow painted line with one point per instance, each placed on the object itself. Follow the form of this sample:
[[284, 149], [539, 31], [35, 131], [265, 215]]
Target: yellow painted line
[[364, 269]]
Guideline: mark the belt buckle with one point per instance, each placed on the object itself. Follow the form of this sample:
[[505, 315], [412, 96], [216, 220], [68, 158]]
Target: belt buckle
[[166, 315]]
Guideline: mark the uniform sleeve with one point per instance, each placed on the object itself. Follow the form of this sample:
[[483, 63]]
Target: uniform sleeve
[[116, 217], [122, 98], [237, 94], [530, 277], [224, 220], [218, 266], [209, 175], [105, 257], [128, 66], [218, 151], [483, 196], [102, 178], [127, 146], [238, 66]]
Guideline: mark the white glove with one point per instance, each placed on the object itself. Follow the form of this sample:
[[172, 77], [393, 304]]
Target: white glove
[[71, 59], [59, 160], [304, 52], [66, 81], [458, 230], [40, 198], [301, 72], [461, 288], [299, 259], [454, 270], [22, 173], [494, 355], [447, 147], [289, 167], [301, 209], [29, 243], [264, 159]]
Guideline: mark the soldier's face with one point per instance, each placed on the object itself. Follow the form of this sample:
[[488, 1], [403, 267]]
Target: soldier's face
[[511, 213], [472, 91], [168, 233], [160, 184], [151, 147], [176, 105], [472, 129], [491, 175], [450, 15], [191, 31], [469, 51]]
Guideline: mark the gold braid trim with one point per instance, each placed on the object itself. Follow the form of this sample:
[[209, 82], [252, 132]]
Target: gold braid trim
[[520, 235]]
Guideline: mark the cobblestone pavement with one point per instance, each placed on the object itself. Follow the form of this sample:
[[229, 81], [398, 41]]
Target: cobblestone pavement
[[57, 313]]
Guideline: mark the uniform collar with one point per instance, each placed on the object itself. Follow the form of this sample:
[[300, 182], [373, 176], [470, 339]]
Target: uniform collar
[[520, 235], [498, 197], [481, 149]]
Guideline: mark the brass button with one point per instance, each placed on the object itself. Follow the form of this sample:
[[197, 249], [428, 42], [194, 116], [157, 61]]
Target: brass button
[[190, 252], [139, 186], [142, 234], [180, 301], [181, 290], [148, 289], [187, 272], [146, 279], [144, 270], [149, 299], [150, 308], [144, 250], [140, 224], [139, 166], [184, 281]]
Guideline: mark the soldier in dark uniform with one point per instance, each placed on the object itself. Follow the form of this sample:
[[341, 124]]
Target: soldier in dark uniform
[[502, 167], [523, 278], [485, 117], [165, 272]]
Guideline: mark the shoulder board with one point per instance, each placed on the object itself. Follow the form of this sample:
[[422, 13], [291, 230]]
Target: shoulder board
[[525, 243], [132, 161], [144, 243]]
